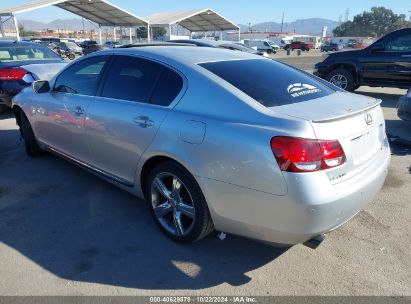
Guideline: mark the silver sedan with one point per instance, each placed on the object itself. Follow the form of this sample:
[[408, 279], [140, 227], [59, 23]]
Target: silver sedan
[[214, 139]]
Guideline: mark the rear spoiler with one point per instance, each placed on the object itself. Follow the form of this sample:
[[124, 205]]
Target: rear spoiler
[[376, 103]]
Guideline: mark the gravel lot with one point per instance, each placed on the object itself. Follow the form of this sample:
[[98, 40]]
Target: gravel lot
[[66, 232]]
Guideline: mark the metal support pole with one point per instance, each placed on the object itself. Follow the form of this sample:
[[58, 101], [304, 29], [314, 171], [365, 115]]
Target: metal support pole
[[114, 34], [148, 33], [169, 31], [17, 28], [221, 35], [1, 27], [239, 35], [131, 36], [99, 34]]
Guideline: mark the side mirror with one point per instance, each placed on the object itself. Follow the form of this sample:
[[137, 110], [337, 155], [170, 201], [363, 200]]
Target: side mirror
[[41, 86], [377, 47]]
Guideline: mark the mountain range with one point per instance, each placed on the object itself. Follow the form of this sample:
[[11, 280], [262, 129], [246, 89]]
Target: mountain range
[[312, 26]]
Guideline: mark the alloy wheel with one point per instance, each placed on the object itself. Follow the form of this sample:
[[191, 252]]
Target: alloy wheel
[[172, 204], [339, 81]]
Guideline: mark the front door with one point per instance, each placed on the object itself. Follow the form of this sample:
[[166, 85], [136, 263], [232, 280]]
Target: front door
[[63, 120]]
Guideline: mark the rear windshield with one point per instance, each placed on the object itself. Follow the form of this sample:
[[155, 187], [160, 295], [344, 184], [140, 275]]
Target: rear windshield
[[22, 53], [269, 82]]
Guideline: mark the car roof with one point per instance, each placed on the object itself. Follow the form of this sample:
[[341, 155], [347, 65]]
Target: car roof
[[186, 54]]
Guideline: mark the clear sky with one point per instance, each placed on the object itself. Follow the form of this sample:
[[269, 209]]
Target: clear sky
[[238, 11]]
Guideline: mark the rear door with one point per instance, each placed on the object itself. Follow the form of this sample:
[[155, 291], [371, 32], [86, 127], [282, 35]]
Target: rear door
[[135, 98]]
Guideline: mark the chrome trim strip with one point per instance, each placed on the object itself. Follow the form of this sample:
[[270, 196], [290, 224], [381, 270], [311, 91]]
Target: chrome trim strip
[[96, 170]]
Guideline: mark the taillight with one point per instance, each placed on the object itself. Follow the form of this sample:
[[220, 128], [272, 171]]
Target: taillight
[[306, 155], [8, 74]]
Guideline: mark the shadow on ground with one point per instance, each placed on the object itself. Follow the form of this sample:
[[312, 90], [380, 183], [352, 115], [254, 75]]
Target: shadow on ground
[[6, 115], [81, 228]]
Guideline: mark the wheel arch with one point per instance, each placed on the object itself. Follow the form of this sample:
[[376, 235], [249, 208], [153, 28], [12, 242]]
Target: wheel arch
[[153, 161], [346, 66]]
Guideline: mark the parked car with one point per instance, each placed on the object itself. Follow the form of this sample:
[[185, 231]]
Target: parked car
[[112, 44], [331, 47], [275, 47], [385, 63], [210, 146], [84, 44], [298, 45], [219, 44], [20, 64], [261, 46], [91, 48], [71, 47], [404, 107]]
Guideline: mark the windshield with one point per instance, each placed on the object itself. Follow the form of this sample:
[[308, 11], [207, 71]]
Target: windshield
[[269, 82], [25, 53]]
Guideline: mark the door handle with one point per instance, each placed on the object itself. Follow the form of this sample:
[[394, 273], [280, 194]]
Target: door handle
[[143, 121], [79, 111]]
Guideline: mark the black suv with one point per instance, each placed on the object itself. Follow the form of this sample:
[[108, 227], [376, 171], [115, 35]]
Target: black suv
[[385, 63]]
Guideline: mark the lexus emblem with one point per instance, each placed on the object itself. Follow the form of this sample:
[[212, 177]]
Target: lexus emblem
[[368, 119]]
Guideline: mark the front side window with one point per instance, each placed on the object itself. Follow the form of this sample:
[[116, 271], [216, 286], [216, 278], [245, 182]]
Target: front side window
[[26, 52], [81, 78], [399, 44]]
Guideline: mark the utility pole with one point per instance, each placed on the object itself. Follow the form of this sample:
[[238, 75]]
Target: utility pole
[[282, 23], [83, 28], [249, 27]]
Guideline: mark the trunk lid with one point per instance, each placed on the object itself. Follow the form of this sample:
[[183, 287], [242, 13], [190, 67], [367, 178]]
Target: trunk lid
[[356, 121], [44, 71]]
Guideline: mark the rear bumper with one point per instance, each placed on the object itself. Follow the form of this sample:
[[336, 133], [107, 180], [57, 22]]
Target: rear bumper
[[308, 210]]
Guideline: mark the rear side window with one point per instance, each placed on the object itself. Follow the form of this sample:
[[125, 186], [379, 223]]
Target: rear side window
[[131, 79], [269, 82], [168, 87]]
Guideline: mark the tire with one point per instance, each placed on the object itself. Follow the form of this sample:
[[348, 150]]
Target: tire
[[30, 142], [71, 56], [3, 109], [269, 51], [183, 203], [342, 78]]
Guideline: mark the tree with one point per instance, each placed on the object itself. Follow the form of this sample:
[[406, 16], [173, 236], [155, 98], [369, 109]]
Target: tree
[[376, 23], [25, 33]]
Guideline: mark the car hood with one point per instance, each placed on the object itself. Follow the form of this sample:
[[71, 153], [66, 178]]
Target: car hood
[[44, 71], [331, 107]]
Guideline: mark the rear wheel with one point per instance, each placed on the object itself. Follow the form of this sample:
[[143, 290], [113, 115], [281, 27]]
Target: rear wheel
[[30, 142], [342, 79], [177, 203]]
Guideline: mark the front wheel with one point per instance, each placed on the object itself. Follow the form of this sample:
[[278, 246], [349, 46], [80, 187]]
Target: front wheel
[[342, 79], [71, 56], [177, 203], [30, 142]]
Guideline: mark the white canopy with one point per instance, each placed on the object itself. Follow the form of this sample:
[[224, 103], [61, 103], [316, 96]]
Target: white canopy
[[200, 20], [99, 11]]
